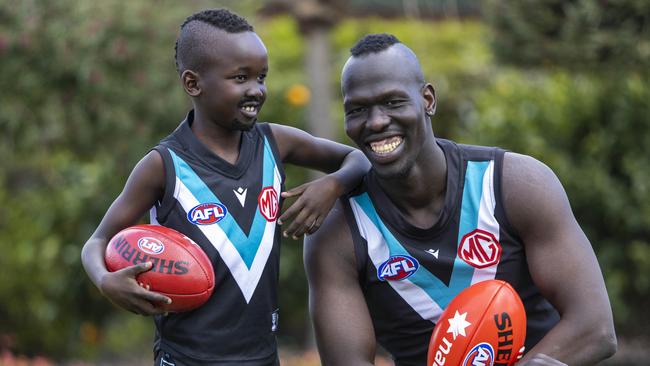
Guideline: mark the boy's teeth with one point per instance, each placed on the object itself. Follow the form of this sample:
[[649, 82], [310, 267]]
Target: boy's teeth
[[249, 109], [386, 146]]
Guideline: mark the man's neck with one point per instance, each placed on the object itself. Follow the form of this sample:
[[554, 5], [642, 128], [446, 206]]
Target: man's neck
[[420, 196]]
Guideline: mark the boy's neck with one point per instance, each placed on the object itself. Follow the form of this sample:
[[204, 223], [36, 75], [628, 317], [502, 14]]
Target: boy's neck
[[221, 141]]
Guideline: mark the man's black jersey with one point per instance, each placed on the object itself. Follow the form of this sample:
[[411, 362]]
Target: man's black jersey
[[230, 211], [409, 274]]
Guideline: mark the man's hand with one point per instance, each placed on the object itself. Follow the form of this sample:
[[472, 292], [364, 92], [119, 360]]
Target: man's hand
[[541, 359], [315, 200], [122, 289]]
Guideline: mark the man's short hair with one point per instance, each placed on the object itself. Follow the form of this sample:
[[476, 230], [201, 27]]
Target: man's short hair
[[373, 43], [189, 39]]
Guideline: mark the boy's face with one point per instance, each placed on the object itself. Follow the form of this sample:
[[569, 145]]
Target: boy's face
[[232, 81]]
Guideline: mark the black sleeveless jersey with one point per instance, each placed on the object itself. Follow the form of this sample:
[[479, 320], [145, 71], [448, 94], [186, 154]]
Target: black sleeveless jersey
[[230, 211], [409, 275]]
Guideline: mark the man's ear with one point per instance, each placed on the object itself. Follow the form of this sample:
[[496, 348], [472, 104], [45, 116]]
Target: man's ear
[[190, 80], [430, 100]]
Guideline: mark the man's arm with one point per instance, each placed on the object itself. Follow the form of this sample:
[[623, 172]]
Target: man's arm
[[346, 167], [143, 188], [562, 264], [344, 331]]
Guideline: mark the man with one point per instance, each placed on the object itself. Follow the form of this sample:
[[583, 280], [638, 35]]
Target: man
[[220, 156], [430, 199]]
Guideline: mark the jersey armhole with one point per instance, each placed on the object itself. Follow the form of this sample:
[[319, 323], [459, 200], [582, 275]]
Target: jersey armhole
[[164, 207], [499, 210], [266, 131], [359, 243]]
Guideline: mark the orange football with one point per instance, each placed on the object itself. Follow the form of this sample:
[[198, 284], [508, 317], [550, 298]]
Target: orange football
[[485, 324]]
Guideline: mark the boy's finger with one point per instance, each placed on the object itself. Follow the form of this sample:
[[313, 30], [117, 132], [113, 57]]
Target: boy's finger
[[296, 191], [296, 225], [133, 271], [155, 297], [317, 223], [290, 212]]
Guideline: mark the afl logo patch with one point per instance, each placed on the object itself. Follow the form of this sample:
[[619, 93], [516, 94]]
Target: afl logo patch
[[151, 245], [481, 355], [397, 268], [268, 203], [207, 213], [479, 249]]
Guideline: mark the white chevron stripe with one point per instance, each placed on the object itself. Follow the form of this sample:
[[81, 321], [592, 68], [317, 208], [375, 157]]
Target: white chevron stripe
[[379, 253], [487, 221], [246, 279]]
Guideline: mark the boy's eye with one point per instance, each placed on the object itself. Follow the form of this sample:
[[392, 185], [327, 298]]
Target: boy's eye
[[261, 78], [240, 77]]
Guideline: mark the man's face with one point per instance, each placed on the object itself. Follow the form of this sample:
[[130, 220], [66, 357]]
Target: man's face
[[385, 111], [232, 80]]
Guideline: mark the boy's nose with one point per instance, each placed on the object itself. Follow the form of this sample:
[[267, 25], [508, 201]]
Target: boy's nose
[[256, 91]]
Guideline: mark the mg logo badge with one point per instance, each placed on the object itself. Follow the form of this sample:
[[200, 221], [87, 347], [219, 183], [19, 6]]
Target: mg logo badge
[[479, 249], [268, 203]]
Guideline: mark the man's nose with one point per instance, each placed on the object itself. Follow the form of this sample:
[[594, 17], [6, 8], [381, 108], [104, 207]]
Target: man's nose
[[377, 119]]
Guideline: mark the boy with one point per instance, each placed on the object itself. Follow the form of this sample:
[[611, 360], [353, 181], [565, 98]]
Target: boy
[[220, 155]]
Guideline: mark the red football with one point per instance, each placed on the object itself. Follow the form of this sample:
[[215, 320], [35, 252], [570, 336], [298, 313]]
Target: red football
[[485, 324], [181, 270]]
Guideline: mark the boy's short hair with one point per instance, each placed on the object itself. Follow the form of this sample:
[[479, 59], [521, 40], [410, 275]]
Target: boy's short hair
[[193, 28], [373, 43]]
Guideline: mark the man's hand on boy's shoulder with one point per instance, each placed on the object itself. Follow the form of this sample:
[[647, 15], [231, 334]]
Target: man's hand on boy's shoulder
[[315, 200]]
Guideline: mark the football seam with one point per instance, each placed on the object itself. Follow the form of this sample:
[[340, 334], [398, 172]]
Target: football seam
[[469, 344], [205, 274]]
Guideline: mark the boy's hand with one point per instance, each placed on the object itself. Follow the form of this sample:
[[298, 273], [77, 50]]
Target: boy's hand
[[315, 200], [122, 289]]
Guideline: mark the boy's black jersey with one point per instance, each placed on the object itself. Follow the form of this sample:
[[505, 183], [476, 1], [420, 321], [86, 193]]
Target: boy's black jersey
[[230, 211], [409, 275]]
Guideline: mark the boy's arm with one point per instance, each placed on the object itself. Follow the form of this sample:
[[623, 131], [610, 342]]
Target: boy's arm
[[342, 323], [561, 263], [143, 188], [346, 167]]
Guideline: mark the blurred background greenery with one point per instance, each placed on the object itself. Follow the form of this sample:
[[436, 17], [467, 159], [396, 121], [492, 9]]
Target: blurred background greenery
[[89, 87]]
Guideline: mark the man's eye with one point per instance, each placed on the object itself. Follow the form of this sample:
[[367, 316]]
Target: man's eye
[[393, 103], [354, 111]]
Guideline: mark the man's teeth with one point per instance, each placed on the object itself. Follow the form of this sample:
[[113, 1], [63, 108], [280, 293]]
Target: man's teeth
[[249, 108], [386, 146]]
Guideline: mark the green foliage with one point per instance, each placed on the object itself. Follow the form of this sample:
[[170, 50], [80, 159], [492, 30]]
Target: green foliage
[[575, 34]]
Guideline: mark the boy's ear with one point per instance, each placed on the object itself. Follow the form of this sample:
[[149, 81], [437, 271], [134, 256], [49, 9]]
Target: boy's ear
[[190, 80]]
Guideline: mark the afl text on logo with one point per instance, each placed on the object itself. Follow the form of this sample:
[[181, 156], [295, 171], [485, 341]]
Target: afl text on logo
[[397, 267], [151, 245], [480, 355], [268, 203], [207, 213], [479, 249]]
